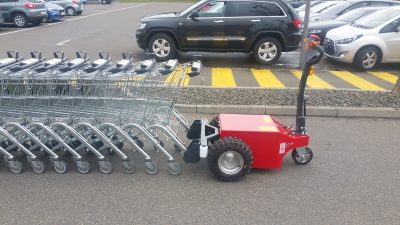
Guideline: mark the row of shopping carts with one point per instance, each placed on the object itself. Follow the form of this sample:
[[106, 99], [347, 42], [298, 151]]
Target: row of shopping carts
[[79, 106]]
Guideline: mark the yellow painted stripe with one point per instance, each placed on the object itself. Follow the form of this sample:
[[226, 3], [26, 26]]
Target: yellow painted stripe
[[222, 77], [266, 78], [313, 81], [391, 78], [175, 77], [356, 81]]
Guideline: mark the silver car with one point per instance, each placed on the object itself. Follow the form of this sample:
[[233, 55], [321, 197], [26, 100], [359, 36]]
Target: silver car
[[23, 12], [71, 7], [368, 41]]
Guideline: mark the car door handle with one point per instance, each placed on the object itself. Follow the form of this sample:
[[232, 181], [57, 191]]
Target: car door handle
[[218, 21], [255, 20]]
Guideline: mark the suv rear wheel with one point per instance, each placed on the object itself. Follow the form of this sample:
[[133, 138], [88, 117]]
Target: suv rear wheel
[[20, 20], [163, 47], [267, 51]]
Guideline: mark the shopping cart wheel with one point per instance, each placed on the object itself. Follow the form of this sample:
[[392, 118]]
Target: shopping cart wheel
[[38, 166], [105, 166], [302, 159], [15, 166], [159, 142], [151, 167], [128, 167], [140, 143], [174, 168], [60, 167], [83, 167]]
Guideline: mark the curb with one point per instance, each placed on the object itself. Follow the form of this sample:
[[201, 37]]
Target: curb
[[323, 111]]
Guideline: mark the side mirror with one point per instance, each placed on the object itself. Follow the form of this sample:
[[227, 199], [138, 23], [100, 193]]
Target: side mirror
[[194, 15]]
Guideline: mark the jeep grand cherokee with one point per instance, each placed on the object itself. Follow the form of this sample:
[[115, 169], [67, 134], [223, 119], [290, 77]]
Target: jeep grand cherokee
[[265, 28]]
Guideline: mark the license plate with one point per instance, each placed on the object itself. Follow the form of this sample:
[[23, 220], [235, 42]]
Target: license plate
[[63, 14]]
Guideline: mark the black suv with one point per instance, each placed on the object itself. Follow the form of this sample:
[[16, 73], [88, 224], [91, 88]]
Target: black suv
[[265, 28]]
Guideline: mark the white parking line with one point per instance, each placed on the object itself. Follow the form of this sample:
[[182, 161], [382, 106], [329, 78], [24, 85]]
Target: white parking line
[[78, 18], [63, 42]]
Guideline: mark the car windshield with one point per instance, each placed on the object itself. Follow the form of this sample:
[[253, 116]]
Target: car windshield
[[353, 15], [324, 5], [336, 8], [376, 19], [303, 7]]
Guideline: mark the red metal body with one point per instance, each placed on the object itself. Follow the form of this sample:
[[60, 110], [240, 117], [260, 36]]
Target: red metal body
[[268, 139]]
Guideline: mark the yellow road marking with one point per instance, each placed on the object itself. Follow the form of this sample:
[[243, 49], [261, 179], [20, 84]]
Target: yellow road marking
[[222, 77], [356, 81], [174, 78], [391, 78], [266, 78], [313, 81]]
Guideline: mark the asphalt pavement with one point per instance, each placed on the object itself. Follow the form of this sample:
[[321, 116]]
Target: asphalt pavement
[[353, 179]]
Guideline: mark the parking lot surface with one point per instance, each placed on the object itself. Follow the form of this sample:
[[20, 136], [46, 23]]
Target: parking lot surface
[[353, 179], [112, 28]]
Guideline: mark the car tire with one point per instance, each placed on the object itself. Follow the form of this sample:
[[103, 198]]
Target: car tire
[[79, 13], [163, 47], [367, 58], [267, 51], [69, 11], [109, 2], [20, 20]]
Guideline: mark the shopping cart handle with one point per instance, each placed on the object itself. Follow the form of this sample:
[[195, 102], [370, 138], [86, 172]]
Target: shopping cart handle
[[146, 66], [169, 67], [196, 68]]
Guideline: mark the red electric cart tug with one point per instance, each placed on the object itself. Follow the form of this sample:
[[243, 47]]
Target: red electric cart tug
[[240, 142]]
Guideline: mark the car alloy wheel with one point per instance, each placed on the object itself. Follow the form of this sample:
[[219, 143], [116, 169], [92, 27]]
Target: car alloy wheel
[[20, 20], [70, 11], [267, 51], [161, 47], [370, 59]]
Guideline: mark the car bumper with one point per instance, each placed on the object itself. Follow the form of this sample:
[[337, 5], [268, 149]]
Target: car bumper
[[141, 39], [78, 8], [342, 53], [293, 41], [37, 13], [55, 16]]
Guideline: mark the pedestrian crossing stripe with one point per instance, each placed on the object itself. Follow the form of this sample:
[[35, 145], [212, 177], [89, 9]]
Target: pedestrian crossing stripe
[[222, 77], [313, 81], [356, 81], [265, 78], [391, 78]]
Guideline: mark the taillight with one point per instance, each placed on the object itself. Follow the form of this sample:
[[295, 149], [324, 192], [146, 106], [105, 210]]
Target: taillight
[[75, 1], [296, 23], [30, 5]]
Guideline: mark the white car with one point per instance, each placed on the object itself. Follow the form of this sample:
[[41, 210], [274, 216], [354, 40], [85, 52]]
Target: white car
[[368, 41]]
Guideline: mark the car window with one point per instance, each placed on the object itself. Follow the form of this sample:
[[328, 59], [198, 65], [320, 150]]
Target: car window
[[254, 9], [376, 19], [353, 15], [323, 6], [391, 27], [356, 6], [212, 9]]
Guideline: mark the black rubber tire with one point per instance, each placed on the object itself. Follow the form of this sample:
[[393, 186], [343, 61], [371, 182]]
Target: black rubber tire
[[24, 17], [171, 43], [108, 2], [295, 154], [229, 144], [79, 13], [358, 59], [257, 46], [70, 13]]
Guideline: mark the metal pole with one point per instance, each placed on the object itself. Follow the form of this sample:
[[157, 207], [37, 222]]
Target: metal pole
[[305, 33]]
